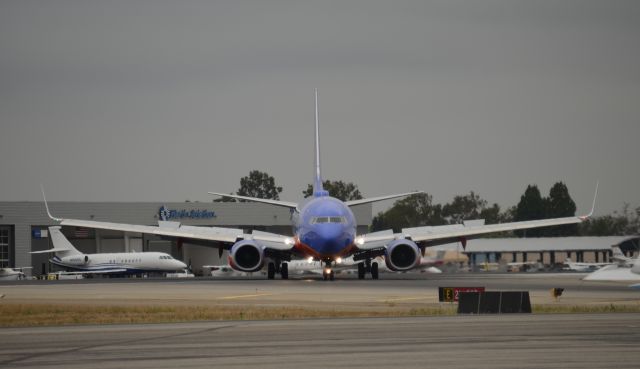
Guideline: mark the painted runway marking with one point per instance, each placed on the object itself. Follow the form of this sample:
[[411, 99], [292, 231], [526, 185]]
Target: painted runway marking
[[244, 296]]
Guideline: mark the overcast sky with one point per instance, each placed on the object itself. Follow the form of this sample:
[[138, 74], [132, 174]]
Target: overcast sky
[[164, 101]]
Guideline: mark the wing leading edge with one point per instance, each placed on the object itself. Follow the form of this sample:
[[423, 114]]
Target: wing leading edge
[[438, 235], [218, 236]]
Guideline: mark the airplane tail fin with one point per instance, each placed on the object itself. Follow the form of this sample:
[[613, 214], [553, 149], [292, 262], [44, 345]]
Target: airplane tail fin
[[617, 255], [61, 245], [318, 190]]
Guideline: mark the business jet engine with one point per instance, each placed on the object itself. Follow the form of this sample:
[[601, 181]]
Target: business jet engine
[[246, 256], [78, 260], [402, 255]]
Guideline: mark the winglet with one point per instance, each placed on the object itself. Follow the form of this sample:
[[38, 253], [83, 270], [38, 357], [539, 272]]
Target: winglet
[[593, 205], [46, 205]]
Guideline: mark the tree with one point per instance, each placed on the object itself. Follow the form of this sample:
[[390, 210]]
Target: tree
[[559, 204], [256, 184], [530, 207], [617, 224], [259, 184], [492, 214], [344, 191], [412, 211], [464, 208]]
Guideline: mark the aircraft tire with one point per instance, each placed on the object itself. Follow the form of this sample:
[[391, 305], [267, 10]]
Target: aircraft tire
[[374, 270], [361, 270], [331, 276], [271, 271], [284, 270]]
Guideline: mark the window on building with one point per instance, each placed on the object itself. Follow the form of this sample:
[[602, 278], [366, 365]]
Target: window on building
[[4, 248]]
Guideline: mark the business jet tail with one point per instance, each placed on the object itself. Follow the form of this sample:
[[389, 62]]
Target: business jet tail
[[61, 245]]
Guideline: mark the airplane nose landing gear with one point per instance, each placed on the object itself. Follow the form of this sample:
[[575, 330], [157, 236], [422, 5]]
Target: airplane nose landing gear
[[327, 272]]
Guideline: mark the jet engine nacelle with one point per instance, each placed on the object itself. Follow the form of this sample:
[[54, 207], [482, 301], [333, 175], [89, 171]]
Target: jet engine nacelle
[[78, 260], [246, 256], [402, 255]]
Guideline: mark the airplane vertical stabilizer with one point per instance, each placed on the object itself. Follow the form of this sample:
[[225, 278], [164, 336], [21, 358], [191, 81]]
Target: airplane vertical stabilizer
[[61, 246], [318, 191]]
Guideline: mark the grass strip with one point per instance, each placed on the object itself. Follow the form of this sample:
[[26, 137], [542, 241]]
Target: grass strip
[[31, 315]]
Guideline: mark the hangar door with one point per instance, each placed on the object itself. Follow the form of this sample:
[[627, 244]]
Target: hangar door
[[6, 242]]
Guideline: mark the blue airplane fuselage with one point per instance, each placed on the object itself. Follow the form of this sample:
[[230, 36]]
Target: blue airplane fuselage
[[325, 228]]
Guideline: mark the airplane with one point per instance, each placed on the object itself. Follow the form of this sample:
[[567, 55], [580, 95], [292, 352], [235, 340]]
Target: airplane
[[624, 269], [324, 229], [619, 257], [347, 265], [224, 271], [583, 267], [12, 274], [68, 257]]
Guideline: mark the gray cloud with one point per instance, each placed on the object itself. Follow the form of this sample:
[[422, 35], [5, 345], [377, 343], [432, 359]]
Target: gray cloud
[[152, 100]]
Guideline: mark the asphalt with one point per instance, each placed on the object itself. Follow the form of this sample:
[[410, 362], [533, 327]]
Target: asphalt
[[515, 341], [390, 292]]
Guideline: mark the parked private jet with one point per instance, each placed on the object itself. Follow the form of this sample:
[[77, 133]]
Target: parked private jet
[[12, 274], [583, 267], [324, 229], [70, 258]]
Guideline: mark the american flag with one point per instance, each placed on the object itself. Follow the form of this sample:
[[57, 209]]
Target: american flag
[[81, 232]]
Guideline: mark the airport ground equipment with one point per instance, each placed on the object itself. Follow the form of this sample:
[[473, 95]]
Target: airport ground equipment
[[494, 302]]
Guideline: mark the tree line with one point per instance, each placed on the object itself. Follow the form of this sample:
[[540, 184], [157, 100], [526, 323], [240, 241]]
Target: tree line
[[420, 210]]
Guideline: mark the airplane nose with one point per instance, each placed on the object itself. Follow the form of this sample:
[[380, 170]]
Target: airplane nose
[[181, 265], [330, 231]]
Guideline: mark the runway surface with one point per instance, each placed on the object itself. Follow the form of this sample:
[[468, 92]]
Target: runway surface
[[392, 292], [517, 341]]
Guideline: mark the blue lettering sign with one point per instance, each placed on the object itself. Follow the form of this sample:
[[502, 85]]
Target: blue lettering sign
[[168, 214]]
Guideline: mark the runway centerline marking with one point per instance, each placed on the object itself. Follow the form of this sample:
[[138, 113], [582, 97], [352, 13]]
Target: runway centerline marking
[[244, 296]]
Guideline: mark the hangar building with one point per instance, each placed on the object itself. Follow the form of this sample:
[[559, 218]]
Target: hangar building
[[23, 227]]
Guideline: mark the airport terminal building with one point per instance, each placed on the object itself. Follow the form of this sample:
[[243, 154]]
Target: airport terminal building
[[24, 228]]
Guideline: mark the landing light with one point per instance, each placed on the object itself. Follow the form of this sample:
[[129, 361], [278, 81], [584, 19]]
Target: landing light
[[288, 241], [360, 241], [339, 260], [310, 259], [327, 270]]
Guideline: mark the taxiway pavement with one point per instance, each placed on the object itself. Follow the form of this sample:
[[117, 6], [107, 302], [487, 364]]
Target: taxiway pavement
[[390, 292], [516, 341]]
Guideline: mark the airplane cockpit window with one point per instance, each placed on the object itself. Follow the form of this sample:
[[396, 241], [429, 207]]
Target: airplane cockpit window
[[317, 220]]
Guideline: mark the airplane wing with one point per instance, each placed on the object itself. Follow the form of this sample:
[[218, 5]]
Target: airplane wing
[[174, 229], [286, 204], [380, 198], [461, 232], [438, 235]]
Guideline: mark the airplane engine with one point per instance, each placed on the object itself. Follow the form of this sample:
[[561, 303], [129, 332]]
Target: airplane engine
[[78, 260], [246, 256], [402, 255]]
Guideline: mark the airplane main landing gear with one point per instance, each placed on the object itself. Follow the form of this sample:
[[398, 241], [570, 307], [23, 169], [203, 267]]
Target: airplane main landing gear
[[271, 270], [277, 267], [368, 266], [374, 270]]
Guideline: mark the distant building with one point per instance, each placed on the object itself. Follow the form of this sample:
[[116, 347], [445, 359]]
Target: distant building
[[547, 250]]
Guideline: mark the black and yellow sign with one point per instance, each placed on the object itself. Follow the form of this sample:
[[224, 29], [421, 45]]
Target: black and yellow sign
[[452, 294]]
